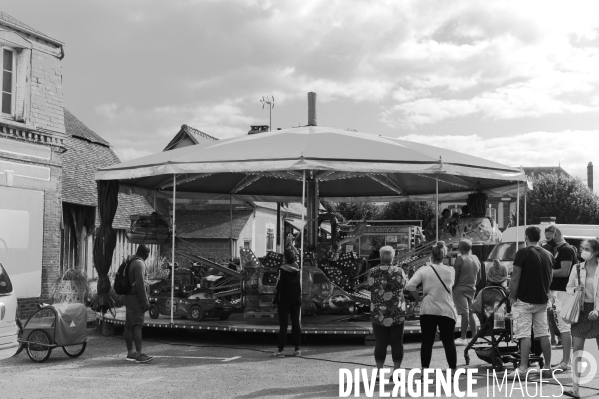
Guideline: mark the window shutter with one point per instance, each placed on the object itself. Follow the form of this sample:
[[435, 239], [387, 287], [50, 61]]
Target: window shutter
[[22, 86]]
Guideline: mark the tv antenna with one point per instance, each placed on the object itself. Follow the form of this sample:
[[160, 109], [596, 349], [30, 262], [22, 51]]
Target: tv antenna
[[270, 103]]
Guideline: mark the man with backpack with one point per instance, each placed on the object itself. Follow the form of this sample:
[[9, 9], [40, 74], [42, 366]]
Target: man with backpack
[[136, 303]]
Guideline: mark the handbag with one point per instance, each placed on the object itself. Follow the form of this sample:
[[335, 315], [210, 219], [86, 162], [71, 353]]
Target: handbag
[[572, 309]]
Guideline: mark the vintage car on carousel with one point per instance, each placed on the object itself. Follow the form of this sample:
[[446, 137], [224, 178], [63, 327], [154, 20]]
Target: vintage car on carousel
[[190, 301]]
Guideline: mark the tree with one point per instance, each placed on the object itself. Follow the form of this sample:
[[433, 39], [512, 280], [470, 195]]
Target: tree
[[358, 211], [424, 211], [562, 196]]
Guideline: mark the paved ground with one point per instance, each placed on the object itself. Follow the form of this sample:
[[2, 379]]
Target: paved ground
[[219, 365]]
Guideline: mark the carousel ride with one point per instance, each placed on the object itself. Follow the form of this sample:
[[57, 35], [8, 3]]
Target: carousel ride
[[291, 165]]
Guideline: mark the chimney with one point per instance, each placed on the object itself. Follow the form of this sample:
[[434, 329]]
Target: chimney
[[590, 175], [311, 109]]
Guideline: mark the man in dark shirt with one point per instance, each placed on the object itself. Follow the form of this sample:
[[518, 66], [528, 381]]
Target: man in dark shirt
[[529, 293], [565, 257]]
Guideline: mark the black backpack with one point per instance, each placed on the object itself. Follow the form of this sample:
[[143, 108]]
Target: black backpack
[[122, 285]]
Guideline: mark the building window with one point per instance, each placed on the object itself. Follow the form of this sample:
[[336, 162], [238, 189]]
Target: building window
[[8, 81], [270, 239], [247, 244]]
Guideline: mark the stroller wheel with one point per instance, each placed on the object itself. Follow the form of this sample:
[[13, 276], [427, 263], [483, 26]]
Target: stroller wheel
[[498, 365]]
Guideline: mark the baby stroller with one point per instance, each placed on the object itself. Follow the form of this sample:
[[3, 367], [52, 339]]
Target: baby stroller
[[487, 343]]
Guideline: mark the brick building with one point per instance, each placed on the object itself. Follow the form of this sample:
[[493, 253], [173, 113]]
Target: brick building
[[32, 144], [48, 159]]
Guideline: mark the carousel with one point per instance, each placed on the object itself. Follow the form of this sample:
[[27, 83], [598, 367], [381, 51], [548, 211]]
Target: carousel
[[304, 164]]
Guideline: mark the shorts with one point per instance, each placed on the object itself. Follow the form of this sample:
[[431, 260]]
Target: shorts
[[134, 311], [462, 298], [527, 315], [561, 297]]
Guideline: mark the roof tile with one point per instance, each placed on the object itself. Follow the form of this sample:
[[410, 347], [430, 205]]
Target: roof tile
[[85, 154]]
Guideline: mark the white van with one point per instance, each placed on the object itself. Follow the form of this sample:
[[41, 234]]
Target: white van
[[506, 250], [8, 314]]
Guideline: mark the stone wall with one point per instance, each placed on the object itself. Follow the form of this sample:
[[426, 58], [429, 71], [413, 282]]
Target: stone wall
[[47, 100]]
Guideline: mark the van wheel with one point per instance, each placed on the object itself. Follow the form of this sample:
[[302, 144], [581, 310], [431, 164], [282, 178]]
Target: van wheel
[[154, 313], [196, 313]]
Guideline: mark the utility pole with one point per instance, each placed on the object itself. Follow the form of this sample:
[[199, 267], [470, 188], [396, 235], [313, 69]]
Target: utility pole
[[270, 103]]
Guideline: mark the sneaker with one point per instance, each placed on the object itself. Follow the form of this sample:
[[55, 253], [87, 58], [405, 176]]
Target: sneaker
[[561, 367], [461, 342], [279, 354], [559, 345], [297, 353], [141, 358], [131, 358]]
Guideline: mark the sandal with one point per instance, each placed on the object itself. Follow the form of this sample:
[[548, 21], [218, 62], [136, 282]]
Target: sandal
[[571, 394]]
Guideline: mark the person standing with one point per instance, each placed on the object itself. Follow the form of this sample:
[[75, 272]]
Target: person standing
[[288, 298], [565, 257], [387, 308], [136, 305], [437, 309], [529, 293], [467, 267], [588, 321], [550, 246], [431, 229]]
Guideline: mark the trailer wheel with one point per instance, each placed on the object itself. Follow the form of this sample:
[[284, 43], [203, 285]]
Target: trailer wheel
[[38, 347], [154, 313], [196, 313], [74, 350]]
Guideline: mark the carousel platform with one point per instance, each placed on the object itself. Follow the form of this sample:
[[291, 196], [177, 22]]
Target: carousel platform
[[311, 325]]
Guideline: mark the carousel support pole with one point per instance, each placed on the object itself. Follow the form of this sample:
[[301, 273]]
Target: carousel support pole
[[518, 217], [437, 200], [173, 249], [278, 236], [231, 226], [302, 239]]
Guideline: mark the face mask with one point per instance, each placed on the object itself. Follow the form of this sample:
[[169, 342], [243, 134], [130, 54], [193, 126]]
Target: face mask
[[586, 255]]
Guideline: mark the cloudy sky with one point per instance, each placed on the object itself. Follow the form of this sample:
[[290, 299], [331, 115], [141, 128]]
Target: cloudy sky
[[513, 81]]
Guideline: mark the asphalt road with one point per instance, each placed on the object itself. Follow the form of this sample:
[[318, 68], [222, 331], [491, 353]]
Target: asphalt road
[[224, 365]]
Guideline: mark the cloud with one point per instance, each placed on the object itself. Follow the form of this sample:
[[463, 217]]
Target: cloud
[[572, 149], [148, 67], [107, 110]]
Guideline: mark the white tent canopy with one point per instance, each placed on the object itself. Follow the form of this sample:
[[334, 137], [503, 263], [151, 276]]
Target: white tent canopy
[[349, 167]]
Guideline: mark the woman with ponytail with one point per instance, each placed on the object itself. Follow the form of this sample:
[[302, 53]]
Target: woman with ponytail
[[437, 309]]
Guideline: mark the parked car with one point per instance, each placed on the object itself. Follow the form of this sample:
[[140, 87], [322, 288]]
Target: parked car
[[505, 251], [199, 305], [9, 331]]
